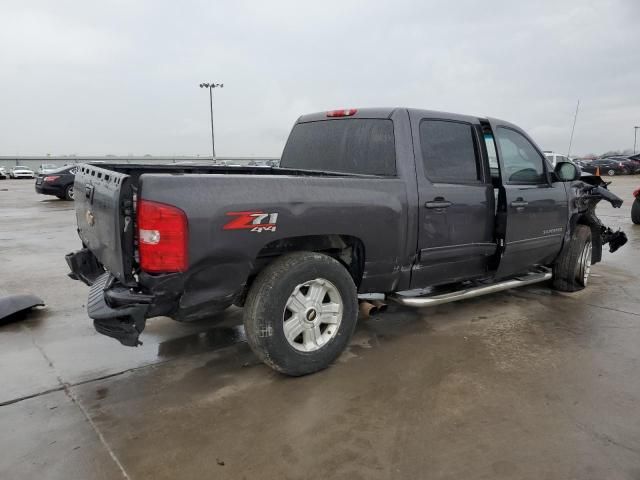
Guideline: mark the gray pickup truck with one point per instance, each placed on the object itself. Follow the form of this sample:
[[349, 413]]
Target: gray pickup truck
[[416, 206]]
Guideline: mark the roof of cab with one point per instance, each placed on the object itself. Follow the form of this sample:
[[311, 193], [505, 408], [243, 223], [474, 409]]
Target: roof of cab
[[360, 113], [386, 112]]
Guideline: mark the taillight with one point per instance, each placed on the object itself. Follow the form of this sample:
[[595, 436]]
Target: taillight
[[162, 237], [51, 178], [347, 112], [636, 193]]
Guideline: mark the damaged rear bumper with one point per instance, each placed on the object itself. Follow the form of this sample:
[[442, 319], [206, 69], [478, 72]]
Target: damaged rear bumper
[[117, 311], [124, 323], [120, 311]]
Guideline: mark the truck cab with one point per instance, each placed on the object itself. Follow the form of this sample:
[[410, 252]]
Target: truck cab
[[483, 187]]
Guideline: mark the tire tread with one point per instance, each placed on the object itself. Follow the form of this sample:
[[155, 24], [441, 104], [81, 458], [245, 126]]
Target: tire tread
[[268, 286], [564, 269]]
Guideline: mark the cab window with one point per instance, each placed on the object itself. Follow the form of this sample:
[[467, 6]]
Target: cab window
[[449, 152], [522, 164]]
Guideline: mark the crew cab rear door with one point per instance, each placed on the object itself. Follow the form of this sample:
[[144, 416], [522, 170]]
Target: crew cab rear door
[[456, 201], [534, 207], [104, 213]]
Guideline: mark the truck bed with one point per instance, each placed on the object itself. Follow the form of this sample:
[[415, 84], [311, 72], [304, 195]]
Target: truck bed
[[135, 170], [308, 203]]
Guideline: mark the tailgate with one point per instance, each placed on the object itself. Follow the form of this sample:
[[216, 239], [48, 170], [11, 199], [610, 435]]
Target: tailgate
[[104, 213]]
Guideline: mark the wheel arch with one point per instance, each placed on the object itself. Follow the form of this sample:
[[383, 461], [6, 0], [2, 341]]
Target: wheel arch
[[587, 219], [347, 249]]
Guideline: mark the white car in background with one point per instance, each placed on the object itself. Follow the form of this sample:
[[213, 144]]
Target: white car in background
[[3, 173], [21, 172], [47, 168]]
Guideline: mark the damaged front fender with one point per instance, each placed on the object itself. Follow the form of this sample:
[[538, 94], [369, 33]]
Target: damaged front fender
[[585, 194]]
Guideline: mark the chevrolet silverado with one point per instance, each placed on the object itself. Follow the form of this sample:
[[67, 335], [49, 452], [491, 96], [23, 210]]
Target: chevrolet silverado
[[418, 206]]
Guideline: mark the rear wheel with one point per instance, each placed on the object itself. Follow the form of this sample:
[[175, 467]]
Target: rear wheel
[[68, 192], [573, 267], [301, 312], [635, 211]]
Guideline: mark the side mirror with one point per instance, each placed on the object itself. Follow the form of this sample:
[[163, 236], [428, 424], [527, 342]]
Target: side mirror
[[567, 172]]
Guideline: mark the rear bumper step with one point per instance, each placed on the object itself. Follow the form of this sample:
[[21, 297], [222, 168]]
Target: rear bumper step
[[84, 266], [429, 301], [125, 324]]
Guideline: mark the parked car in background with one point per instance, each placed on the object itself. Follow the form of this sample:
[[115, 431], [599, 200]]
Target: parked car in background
[[633, 166], [58, 183], [607, 166], [634, 162], [635, 208], [581, 163], [47, 168], [3, 173], [21, 172]]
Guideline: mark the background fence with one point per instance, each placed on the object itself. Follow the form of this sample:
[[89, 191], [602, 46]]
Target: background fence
[[34, 162]]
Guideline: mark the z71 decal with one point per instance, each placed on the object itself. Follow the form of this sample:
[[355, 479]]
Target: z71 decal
[[253, 221]]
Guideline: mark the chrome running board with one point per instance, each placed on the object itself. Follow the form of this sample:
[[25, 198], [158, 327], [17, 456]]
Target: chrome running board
[[432, 300]]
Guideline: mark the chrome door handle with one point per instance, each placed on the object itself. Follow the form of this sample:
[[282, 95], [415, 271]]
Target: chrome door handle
[[438, 202]]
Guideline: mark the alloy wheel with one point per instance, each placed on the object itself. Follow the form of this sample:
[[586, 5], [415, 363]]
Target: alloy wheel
[[312, 315]]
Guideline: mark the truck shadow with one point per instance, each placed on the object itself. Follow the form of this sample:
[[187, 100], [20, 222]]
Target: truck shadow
[[207, 341], [385, 327]]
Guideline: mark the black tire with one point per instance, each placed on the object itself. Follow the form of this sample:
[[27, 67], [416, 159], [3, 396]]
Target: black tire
[[574, 259], [266, 304], [68, 192], [635, 211]]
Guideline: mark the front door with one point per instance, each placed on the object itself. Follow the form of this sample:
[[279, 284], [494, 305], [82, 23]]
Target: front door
[[536, 207], [455, 238]]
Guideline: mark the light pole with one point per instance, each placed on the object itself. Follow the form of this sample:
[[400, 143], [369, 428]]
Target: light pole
[[635, 136], [211, 86]]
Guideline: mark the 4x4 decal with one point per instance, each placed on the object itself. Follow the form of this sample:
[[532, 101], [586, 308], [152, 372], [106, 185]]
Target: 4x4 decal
[[255, 221]]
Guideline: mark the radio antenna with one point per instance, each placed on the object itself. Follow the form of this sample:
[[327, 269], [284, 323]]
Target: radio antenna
[[575, 117]]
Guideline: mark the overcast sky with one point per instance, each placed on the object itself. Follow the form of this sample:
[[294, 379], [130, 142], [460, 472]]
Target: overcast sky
[[121, 77]]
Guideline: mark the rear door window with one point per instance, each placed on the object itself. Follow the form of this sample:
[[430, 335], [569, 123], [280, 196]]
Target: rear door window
[[449, 152], [355, 145]]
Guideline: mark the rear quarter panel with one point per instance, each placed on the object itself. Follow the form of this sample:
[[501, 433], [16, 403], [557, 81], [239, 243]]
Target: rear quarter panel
[[371, 209]]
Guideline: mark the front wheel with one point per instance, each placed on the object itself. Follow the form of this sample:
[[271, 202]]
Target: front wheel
[[301, 312], [573, 266], [611, 172]]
